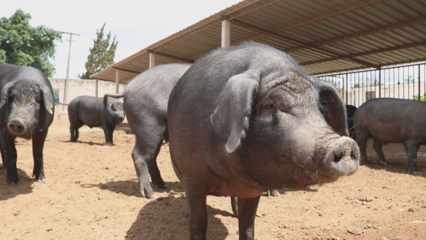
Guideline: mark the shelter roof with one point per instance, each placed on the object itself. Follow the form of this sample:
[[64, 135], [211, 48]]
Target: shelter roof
[[324, 36]]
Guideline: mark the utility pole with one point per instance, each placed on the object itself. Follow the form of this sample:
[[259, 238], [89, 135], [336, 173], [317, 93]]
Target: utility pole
[[68, 69]]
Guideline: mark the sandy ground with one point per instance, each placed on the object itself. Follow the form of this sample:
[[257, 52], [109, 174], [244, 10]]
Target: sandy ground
[[92, 193]]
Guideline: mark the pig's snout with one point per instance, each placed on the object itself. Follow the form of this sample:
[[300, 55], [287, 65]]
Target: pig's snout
[[17, 127], [343, 158]]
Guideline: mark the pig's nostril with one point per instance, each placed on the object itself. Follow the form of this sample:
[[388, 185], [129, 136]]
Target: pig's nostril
[[16, 126], [338, 157]]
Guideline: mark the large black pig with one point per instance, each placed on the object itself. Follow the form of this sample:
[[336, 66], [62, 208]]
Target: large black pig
[[145, 104], [390, 120], [95, 112], [26, 110], [245, 119]]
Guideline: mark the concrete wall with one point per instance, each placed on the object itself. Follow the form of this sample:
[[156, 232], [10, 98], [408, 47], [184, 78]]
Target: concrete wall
[[357, 96], [79, 87]]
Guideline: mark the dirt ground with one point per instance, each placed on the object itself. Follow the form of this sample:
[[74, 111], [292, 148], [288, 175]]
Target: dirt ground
[[92, 193]]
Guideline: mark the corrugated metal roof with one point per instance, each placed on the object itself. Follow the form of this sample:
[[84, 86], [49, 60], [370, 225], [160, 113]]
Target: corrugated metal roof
[[324, 36]]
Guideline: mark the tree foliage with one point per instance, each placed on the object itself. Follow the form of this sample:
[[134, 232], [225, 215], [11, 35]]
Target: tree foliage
[[101, 55], [24, 45]]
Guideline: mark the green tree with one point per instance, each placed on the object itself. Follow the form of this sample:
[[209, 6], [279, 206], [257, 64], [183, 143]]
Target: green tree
[[101, 55], [24, 45]]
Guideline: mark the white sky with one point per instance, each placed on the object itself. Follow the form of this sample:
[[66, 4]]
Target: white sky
[[136, 23]]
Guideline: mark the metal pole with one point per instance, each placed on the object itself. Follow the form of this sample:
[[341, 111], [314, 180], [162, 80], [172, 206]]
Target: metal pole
[[347, 89], [68, 68], [420, 97]]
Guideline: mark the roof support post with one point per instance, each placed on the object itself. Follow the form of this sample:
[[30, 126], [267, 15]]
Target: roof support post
[[151, 60], [117, 80], [96, 87], [226, 33]]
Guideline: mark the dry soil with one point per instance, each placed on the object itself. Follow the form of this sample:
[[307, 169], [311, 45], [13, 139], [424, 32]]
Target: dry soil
[[92, 193]]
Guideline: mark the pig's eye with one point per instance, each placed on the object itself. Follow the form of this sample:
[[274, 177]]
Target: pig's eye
[[37, 99], [268, 106]]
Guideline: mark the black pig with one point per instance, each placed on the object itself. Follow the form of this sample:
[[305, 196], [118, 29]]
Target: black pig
[[245, 119], [95, 112], [145, 104], [350, 112], [26, 110], [390, 120]]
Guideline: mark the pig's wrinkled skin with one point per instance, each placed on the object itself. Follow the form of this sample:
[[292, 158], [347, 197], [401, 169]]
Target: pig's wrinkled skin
[[95, 112], [245, 119], [26, 110], [145, 105], [390, 120]]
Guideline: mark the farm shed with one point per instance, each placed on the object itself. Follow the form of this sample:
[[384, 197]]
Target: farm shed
[[324, 36]]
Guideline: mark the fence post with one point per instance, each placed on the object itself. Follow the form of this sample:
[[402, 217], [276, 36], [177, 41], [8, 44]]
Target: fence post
[[380, 82], [346, 88], [419, 81]]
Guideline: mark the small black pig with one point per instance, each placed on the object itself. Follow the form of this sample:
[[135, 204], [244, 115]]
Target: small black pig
[[95, 112]]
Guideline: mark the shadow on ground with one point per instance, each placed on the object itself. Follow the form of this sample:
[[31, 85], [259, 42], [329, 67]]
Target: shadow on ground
[[399, 167], [7, 191], [152, 223], [131, 188]]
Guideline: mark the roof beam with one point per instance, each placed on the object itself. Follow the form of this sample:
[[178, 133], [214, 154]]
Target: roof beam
[[378, 30], [171, 56], [315, 19], [126, 70], [366, 53], [298, 42]]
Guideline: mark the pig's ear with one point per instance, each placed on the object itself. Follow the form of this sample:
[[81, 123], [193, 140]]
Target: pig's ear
[[332, 107], [230, 119], [5, 92], [46, 114]]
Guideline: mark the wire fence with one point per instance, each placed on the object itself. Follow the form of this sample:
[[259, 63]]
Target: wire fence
[[404, 82]]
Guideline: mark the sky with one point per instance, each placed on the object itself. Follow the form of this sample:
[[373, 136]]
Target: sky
[[136, 24]]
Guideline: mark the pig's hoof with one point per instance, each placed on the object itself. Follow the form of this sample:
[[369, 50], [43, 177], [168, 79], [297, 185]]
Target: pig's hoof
[[153, 196], [13, 183], [275, 193], [42, 180], [383, 163], [109, 144], [414, 171]]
